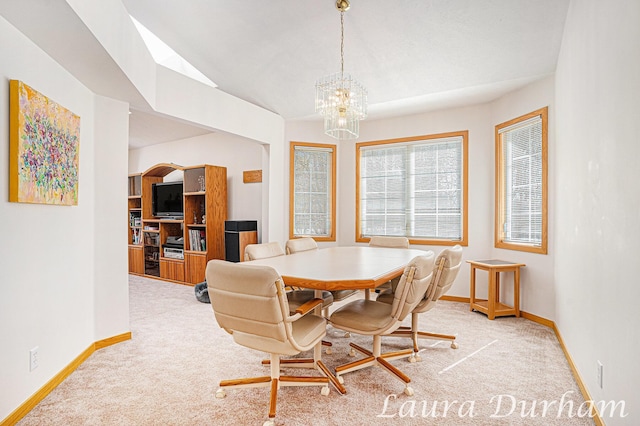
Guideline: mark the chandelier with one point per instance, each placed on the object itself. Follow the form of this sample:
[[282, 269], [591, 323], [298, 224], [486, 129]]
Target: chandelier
[[341, 99]]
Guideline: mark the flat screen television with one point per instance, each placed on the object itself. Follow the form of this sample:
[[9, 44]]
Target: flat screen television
[[166, 199]]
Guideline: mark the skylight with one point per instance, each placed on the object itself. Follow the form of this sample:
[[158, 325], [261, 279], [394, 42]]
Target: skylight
[[166, 56]]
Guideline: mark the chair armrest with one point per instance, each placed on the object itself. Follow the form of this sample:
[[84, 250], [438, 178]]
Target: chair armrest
[[308, 306]]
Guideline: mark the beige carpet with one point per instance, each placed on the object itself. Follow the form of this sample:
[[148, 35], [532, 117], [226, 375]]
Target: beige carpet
[[168, 374]]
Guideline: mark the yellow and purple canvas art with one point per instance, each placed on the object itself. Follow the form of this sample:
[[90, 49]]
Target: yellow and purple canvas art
[[44, 149]]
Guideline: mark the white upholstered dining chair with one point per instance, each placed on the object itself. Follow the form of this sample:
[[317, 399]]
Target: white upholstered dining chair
[[379, 319], [262, 251], [447, 266], [249, 303], [297, 245], [295, 298], [389, 242]]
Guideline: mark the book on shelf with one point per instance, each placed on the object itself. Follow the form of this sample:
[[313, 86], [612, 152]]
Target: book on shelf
[[197, 240], [135, 219], [135, 236], [151, 239]]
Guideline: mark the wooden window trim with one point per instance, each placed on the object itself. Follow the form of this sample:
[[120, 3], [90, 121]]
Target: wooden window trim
[[292, 145], [464, 241], [500, 182]]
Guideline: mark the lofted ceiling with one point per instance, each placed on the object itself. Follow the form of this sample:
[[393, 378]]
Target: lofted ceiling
[[411, 55], [149, 129]]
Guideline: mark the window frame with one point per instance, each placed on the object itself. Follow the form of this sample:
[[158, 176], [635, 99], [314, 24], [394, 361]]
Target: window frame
[[332, 212], [465, 186], [500, 182]]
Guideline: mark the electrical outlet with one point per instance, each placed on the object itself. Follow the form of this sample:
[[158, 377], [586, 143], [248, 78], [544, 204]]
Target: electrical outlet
[[599, 376], [33, 359]]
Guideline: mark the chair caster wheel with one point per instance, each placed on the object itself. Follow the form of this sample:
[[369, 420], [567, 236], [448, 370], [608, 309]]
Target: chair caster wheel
[[454, 345], [412, 359], [340, 379], [352, 352], [324, 391], [269, 422], [347, 334], [220, 393], [328, 351], [408, 391]]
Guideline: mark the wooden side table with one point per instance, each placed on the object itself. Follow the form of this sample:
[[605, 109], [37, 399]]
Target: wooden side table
[[493, 307]]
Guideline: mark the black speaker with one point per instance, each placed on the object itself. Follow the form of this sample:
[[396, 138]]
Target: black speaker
[[240, 225], [232, 246], [233, 238]]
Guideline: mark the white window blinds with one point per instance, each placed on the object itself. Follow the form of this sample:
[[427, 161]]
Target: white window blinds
[[522, 207], [312, 191], [412, 189]]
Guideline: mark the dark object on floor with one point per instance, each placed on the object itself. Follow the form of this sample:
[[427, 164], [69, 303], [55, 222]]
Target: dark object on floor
[[202, 294]]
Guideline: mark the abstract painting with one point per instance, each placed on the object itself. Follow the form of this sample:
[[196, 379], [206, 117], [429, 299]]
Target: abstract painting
[[43, 150]]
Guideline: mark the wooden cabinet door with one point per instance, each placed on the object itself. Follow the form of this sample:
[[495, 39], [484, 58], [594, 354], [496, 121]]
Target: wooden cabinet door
[[196, 265], [136, 260], [172, 270]]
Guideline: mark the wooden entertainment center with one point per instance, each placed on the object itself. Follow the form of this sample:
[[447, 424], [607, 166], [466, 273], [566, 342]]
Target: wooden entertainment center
[[153, 240]]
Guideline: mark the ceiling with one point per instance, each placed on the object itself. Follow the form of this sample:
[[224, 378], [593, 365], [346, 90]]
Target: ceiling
[[411, 55], [147, 129]]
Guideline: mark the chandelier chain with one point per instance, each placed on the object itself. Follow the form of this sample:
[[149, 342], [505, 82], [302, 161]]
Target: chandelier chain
[[340, 98], [342, 44]]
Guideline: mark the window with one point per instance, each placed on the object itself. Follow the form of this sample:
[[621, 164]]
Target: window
[[521, 183], [312, 191], [414, 187]]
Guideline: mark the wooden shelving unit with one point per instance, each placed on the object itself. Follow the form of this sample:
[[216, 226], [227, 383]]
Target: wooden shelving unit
[[202, 227], [136, 263]]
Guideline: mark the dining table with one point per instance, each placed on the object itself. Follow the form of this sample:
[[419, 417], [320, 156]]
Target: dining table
[[340, 268]]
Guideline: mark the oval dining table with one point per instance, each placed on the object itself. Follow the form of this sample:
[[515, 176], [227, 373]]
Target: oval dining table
[[341, 268]]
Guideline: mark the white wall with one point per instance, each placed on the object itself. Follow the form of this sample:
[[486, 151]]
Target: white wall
[[60, 294], [49, 254], [537, 289], [598, 197], [476, 120], [479, 120], [64, 272], [235, 153], [111, 289], [127, 72]]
